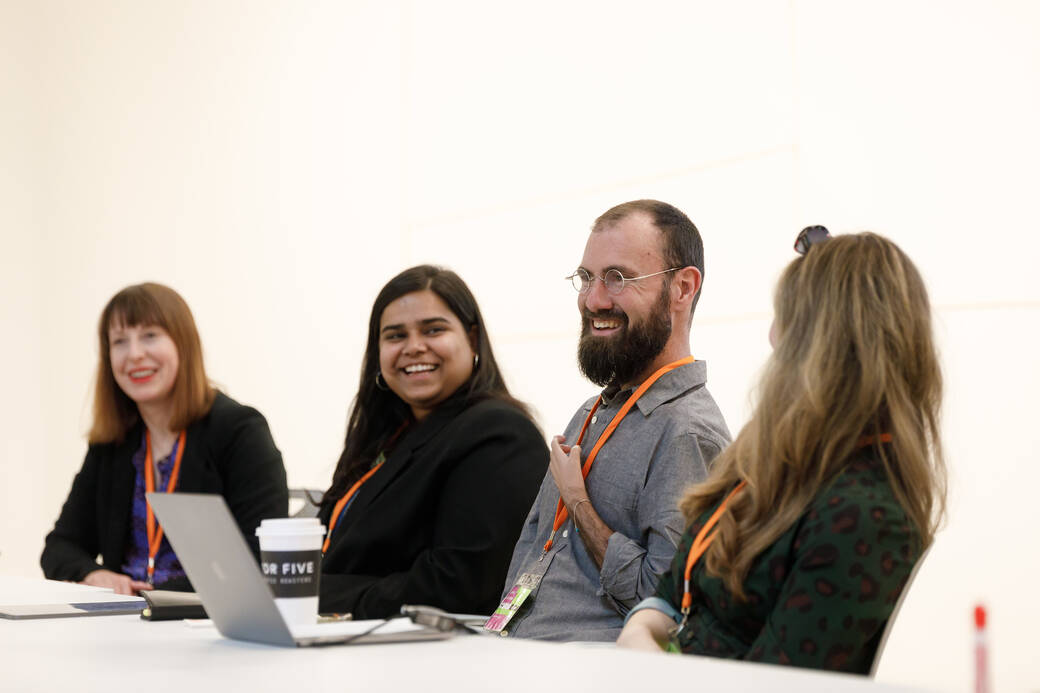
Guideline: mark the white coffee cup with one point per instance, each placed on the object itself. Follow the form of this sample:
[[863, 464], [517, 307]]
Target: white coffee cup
[[290, 559]]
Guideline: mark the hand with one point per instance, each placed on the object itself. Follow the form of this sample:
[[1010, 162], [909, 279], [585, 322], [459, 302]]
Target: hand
[[647, 630], [117, 582], [565, 465]]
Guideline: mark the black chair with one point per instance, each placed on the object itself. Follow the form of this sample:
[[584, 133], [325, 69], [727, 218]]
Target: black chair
[[311, 501]]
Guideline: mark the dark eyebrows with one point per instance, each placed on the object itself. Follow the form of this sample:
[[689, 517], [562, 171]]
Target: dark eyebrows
[[625, 271], [427, 321]]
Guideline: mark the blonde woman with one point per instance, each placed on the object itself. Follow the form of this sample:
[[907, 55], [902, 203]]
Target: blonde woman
[[801, 539]]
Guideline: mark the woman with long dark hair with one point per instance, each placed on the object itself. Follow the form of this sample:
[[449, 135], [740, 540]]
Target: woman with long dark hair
[[158, 426], [804, 534], [440, 464]]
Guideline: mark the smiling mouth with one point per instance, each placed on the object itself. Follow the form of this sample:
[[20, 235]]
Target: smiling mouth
[[607, 325], [419, 368], [142, 375]]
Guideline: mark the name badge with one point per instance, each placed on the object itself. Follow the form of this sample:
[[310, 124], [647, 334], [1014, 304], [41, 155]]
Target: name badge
[[512, 602]]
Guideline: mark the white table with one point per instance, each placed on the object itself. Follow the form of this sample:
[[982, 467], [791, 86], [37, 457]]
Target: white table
[[123, 653]]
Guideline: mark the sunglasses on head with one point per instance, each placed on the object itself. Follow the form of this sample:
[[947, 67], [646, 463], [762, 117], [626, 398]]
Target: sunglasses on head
[[810, 236]]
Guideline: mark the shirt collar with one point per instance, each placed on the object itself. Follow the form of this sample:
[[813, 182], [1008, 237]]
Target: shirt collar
[[669, 386], [673, 384]]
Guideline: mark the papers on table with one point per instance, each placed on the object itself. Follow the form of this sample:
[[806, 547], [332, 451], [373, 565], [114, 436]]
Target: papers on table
[[22, 597]]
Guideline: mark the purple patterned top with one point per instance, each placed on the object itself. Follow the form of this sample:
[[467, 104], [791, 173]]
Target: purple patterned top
[[167, 567]]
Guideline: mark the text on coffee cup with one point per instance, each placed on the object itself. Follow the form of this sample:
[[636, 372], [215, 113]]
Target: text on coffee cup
[[289, 568]]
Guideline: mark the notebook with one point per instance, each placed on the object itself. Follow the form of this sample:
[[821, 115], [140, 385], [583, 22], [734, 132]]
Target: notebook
[[22, 598], [237, 598]]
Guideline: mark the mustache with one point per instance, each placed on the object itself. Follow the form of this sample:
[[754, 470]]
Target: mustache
[[588, 315]]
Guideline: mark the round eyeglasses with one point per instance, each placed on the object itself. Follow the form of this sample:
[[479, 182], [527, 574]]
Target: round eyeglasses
[[612, 279]]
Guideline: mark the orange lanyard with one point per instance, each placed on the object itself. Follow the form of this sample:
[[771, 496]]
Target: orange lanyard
[[341, 503], [703, 539], [561, 509], [337, 510], [155, 535], [700, 544]]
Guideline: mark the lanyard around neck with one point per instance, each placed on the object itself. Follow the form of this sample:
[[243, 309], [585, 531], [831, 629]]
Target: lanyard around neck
[[155, 534], [561, 509], [703, 539], [337, 509], [700, 544]]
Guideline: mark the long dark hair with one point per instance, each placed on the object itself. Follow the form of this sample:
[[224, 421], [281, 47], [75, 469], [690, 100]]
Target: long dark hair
[[378, 414]]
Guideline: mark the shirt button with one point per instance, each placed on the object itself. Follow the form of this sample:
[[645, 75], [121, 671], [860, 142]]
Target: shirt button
[[504, 634], [564, 534], [595, 418]]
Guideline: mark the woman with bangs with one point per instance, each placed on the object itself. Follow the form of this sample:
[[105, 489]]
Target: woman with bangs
[[808, 527], [158, 426]]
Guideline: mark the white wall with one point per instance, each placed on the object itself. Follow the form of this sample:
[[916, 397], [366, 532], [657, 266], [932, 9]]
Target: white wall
[[277, 162], [25, 468]]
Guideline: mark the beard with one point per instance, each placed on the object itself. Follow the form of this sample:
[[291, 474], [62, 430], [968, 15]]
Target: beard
[[619, 358]]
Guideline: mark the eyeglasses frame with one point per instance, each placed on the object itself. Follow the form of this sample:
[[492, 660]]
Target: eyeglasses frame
[[624, 279]]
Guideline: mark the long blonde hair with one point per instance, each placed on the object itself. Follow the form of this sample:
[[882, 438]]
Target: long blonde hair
[[854, 357]]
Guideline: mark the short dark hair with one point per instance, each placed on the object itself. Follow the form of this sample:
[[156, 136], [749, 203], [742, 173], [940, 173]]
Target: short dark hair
[[377, 414], [681, 243]]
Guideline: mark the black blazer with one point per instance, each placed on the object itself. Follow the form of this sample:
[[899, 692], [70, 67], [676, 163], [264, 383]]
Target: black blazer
[[229, 451], [437, 523]]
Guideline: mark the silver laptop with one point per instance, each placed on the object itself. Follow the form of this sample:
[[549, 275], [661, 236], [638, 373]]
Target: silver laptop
[[237, 598], [66, 604], [25, 597], [26, 611]]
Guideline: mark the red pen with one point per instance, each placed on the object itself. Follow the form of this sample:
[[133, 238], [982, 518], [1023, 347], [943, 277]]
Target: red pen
[[981, 653]]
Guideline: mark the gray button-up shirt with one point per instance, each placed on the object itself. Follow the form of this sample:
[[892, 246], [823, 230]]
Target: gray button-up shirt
[[663, 444]]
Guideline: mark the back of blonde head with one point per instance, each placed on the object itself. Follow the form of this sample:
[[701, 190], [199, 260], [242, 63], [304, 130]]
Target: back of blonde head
[[854, 357]]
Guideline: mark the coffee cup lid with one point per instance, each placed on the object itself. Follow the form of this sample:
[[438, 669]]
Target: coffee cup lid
[[290, 526]]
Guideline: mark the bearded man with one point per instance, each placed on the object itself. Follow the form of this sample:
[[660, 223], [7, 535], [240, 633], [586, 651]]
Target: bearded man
[[605, 523]]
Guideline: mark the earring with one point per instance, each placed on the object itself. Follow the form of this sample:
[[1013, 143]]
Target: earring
[[380, 384], [476, 360]]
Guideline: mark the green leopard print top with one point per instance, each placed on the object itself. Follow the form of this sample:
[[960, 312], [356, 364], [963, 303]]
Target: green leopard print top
[[821, 595]]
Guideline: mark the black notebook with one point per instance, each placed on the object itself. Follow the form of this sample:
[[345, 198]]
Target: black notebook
[[167, 605]]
